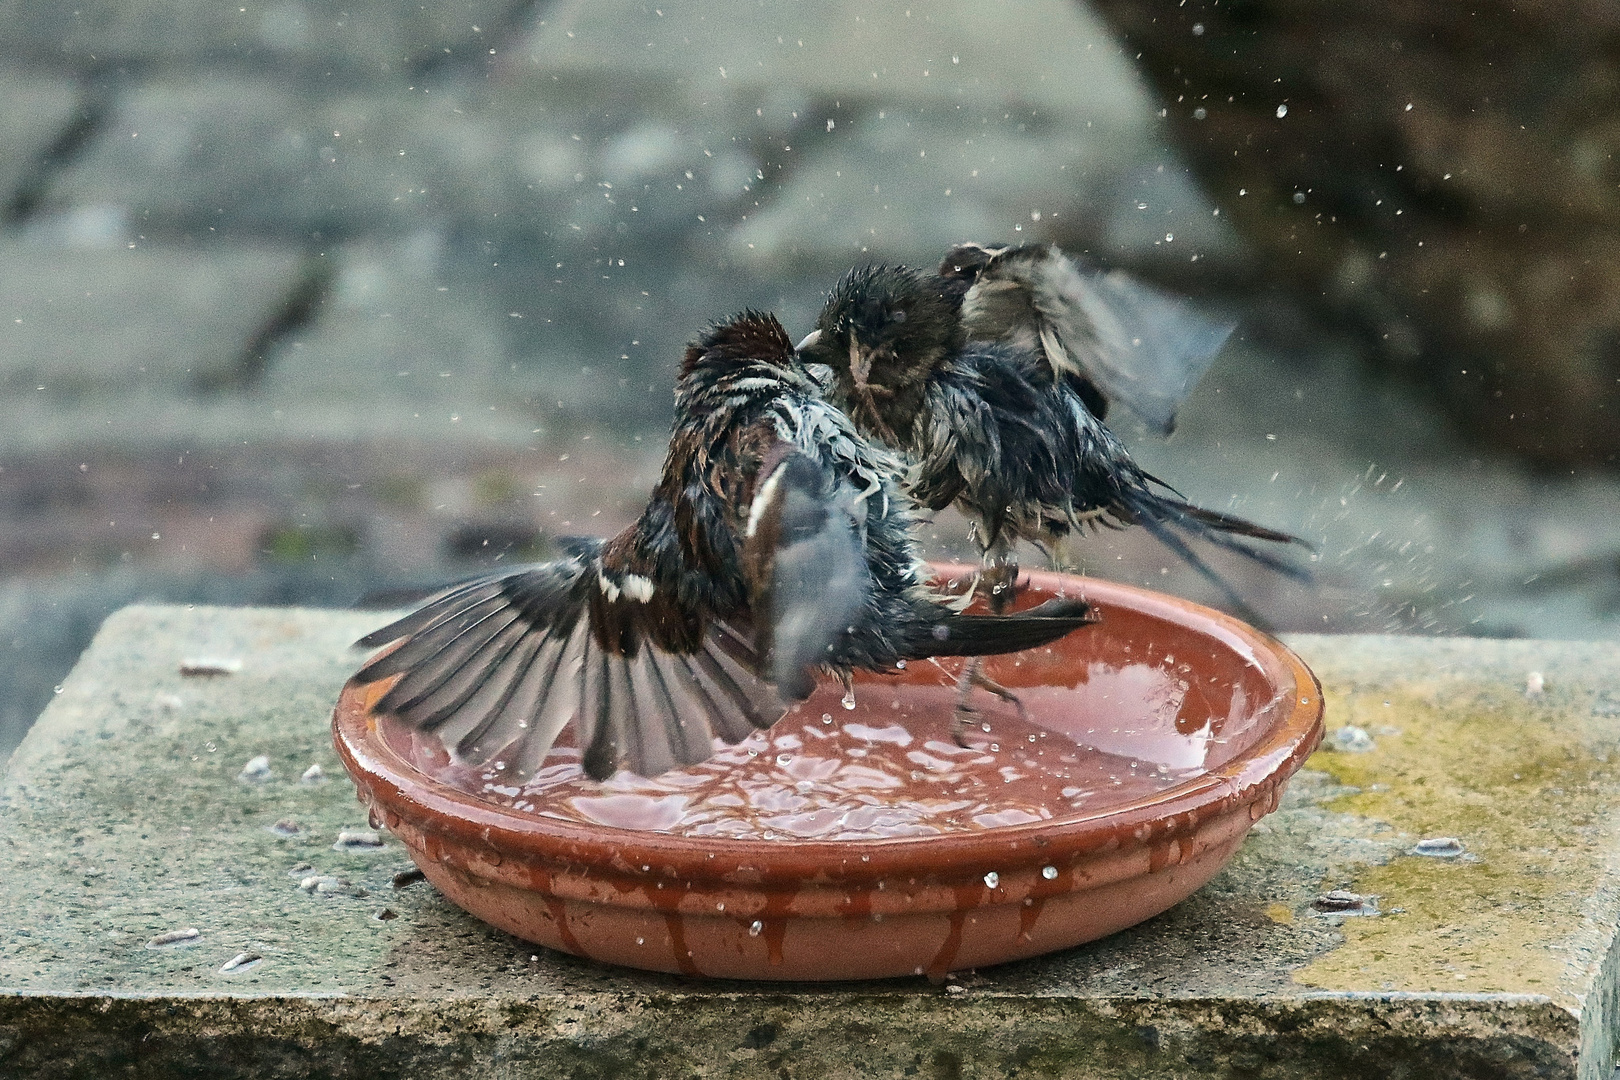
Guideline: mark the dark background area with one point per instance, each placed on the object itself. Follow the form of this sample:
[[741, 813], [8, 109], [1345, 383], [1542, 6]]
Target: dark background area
[[300, 305]]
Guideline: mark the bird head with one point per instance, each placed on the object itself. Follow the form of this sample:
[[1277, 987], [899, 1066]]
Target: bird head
[[883, 328], [963, 264], [747, 337]]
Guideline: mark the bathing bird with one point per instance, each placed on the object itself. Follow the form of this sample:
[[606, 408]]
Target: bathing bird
[[778, 542]]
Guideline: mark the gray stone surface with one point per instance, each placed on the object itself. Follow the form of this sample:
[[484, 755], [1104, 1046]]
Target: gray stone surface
[[372, 36], [276, 153], [38, 110], [392, 355], [127, 320], [123, 819]]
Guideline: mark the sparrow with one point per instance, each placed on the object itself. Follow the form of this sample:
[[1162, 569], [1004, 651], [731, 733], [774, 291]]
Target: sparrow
[[778, 541], [993, 375]]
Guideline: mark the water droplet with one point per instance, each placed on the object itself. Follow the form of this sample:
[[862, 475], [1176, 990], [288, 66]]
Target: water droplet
[[992, 880], [721, 906], [755, 927], [240, 962], [1351, 739], [1439, 847], [1339, 900], [783, 759], [1049, 873], [1282, 111], [641, 941], [57, 689], [358, 840], [985, 728], [848, 700], [826, 718], [901, 664]]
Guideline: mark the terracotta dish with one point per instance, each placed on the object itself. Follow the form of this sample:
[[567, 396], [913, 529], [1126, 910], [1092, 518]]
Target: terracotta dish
[[863, 842]]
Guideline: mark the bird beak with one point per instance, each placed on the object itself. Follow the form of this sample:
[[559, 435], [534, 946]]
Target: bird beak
[[809, 339]]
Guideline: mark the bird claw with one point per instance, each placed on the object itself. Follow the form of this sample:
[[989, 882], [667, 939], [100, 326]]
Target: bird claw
[[973, 676], [984, 682], [960, 724]]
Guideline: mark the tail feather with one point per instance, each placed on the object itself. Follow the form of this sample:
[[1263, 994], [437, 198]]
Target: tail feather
[[1172, 521], [991, 635], [1228, 523]]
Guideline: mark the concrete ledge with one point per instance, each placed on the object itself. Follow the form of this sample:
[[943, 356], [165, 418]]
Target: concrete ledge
[[126, 816]]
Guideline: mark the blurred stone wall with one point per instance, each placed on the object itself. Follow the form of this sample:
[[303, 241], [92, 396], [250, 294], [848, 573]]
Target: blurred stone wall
[[247, 192], [303, 302], [1442, 175]]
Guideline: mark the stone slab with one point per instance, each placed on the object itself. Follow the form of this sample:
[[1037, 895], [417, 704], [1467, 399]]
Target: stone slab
[[276, 154], [127, 320], [603, 155], [38, 109], [391, 354], [946, 53], [912, 129], [376, 36], [123, 818]]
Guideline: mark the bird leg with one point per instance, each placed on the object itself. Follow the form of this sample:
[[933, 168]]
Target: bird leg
[[1000, 575]]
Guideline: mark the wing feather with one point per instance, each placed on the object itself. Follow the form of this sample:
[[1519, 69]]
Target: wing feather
[[1141, 347], [477, 669], [692, 734]]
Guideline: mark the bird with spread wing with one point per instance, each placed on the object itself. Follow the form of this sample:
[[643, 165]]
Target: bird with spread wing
[[992, 376], [778, 542]]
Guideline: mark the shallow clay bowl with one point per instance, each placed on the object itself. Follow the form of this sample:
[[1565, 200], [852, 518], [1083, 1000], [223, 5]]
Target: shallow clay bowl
[[853, 844]]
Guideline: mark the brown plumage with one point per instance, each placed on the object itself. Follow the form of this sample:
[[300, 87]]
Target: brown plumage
[[777, 542], [981, 375]]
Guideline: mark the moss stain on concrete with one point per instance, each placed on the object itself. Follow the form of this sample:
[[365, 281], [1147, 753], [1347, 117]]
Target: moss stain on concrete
[[1525, 782]]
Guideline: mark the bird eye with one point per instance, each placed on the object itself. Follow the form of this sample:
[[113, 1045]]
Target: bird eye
[[898, 316]]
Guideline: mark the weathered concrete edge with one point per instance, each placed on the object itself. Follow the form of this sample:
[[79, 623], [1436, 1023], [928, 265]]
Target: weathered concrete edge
[[1591, 978], [1593, 973], [834, 1033]]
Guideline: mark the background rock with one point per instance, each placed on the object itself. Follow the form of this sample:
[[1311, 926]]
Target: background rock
[[1443, 177]]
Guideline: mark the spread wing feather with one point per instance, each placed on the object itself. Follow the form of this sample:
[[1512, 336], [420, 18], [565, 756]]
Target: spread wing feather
[[1139, 346], [497, 666]]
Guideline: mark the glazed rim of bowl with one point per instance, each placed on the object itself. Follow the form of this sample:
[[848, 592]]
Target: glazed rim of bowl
[[1292, 732]]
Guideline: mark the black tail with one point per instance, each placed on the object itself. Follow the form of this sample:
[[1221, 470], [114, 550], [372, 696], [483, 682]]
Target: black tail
[[990, 635], [1172, 521]]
